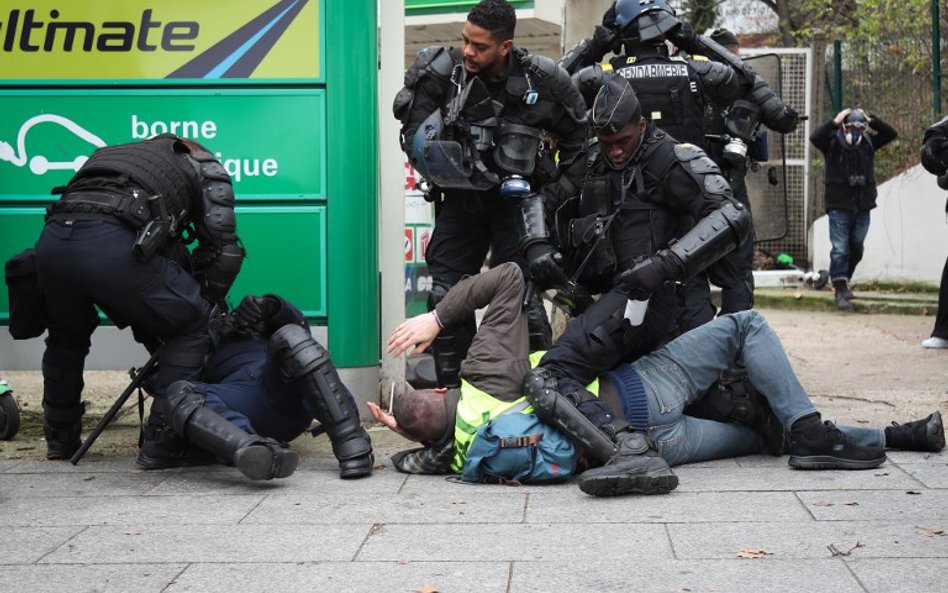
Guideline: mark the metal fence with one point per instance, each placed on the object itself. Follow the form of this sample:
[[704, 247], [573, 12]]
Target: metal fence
[[893, 80]]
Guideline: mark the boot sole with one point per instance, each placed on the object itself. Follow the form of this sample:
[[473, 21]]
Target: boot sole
[[147, 462], [259, 462], [830, 462], [620, 485], [355, 472]]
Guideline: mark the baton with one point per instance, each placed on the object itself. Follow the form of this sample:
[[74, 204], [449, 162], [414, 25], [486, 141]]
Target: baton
[[137, 378]]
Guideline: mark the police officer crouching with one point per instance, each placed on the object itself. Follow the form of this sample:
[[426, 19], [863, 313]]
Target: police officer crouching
[[116, 240]]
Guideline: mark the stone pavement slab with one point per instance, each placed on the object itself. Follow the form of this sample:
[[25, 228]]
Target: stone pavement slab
[[105, 526]]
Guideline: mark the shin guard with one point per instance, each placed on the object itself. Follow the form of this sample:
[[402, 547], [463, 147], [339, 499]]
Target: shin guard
[[554, 408], [306, 363]]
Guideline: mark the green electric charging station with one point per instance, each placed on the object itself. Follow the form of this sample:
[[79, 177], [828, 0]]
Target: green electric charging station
[[283, 91]]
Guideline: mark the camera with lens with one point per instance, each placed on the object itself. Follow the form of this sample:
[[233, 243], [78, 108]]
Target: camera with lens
[[857, 180]]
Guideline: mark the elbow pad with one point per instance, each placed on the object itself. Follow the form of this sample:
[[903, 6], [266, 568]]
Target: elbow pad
[[588, 80], [713, 237], [774, 113]]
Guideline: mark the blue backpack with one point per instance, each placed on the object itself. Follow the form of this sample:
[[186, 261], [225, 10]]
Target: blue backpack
[[519, 448]]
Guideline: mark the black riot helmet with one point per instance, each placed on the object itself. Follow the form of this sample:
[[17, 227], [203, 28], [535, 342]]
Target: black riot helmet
[[644, 22], [447, 163]]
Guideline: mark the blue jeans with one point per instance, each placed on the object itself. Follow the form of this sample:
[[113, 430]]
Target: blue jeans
[[847, 234], [681, 371]]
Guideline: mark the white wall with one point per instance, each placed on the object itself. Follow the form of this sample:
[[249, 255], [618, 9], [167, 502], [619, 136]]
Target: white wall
[[908, 235]]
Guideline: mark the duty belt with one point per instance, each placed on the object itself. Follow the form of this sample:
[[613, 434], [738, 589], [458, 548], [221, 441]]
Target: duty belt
[[131, 210]]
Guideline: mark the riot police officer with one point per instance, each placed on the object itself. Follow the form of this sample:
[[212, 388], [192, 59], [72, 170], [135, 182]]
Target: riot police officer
[[475, 124], [622, 231], [675, 93], [265, 380], [116, 240]]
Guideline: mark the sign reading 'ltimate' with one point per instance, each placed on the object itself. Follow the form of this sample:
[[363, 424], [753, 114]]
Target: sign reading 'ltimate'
[[42, 40]]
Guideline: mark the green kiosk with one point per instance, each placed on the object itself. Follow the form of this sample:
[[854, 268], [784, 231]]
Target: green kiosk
[[286, 101]]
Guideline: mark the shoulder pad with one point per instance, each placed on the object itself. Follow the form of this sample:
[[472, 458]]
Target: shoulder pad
[[539, 66], [588, 80], [435, 60], [686, 152]]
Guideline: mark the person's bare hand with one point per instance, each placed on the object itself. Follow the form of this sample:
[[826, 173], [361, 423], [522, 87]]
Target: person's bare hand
[[386, 419], [841, 116], [414, 335]]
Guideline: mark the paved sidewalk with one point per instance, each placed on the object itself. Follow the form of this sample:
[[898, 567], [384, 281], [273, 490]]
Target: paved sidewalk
[[104, 526]]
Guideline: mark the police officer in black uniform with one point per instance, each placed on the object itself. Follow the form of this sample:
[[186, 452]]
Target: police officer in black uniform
[[265, 380], [476, 122], [116, 240], [622, 231], [737, 143], [675, 93]]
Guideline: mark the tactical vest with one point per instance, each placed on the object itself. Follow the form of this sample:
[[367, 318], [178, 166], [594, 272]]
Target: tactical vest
[[669, 95], [155, 165], [631, 223], [476, 407]]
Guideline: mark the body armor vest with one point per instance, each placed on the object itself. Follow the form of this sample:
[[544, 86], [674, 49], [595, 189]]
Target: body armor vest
[[618, 219], [670, 97], [153, 165]]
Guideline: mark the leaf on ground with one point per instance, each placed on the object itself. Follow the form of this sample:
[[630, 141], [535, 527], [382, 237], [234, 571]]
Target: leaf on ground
[[822, 503], [753, 554], [913, 492], [851, 504], [928, 532], [426, 589], [87, 479]]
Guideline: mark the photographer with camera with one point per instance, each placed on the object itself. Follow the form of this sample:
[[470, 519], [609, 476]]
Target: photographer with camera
[[935, 161], [849, 142]]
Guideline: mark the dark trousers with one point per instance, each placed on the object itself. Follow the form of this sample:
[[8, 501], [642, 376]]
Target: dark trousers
[[85, 263], [941, 318], [738, 294], [467, 225]]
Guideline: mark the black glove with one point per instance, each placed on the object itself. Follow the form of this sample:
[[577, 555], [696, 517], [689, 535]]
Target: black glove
[[605, 40], [647, 276], [544, 265], [684, 37], [573, 298], [253, 312]]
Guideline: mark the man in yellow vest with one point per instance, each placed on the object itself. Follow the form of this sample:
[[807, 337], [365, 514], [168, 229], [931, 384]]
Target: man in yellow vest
[[639, 405], [492, 374]]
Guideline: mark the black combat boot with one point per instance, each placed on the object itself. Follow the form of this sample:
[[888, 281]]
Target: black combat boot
[[258, 458], [820, 445], [306, 363], [160, 447], [843, 302], [927, 434], [63, 429], [634, 468]]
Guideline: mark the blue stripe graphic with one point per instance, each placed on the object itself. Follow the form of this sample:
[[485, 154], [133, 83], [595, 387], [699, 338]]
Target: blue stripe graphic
[[229, 61]]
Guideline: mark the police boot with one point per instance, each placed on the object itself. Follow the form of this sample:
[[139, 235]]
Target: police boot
[[820, 445], [842, 301], [306, 363], [258, 458], [927, 434], [626, 469], [63, 429], [635, 468], [160, 447]]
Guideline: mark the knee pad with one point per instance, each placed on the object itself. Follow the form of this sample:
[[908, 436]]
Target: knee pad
[[296, 351]]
